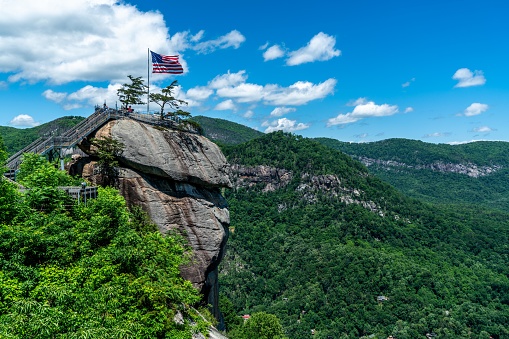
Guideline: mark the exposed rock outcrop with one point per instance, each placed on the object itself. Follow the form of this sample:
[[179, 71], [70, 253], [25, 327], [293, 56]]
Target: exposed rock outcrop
[[176, 178], [469, 169], [310, 186], [270, 177]]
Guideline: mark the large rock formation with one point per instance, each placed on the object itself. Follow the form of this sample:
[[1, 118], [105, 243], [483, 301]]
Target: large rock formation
[[176, 178]]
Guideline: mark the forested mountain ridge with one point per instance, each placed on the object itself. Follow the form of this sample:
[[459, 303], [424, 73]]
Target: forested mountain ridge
[[372, 266], [17, 138], [226, 132], [472, 173]]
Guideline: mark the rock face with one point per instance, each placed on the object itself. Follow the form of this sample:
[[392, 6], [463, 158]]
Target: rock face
[[176, 178], [469, 169]]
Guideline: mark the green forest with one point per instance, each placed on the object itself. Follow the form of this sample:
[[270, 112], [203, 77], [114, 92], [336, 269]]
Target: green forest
[[340, 270], [340, 251], [16, 139], [490, 191], [94, 270]]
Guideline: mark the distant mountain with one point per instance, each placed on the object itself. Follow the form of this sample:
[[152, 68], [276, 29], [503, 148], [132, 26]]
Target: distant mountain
[[226, 132], [336, 252], [17, 138], [472, 173]]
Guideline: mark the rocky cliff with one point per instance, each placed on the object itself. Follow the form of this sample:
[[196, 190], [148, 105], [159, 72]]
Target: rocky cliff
[[176, 178], [469, 169]]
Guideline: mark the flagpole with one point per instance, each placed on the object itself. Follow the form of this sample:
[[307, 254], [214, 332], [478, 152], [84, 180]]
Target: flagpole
[[148, 79]]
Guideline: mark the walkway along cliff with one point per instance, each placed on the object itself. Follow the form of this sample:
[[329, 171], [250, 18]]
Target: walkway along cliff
[[176, 177]]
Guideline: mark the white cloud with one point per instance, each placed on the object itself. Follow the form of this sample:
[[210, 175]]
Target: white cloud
[[320, 48], [357, 102], [199, 93], [409, 109], [234, 86], [91, 40], [86, 96], [285, 125], [363, 110], [249, 114], [243, 92], [23, 120], [54, 96], [229, 79], [483, 129], [233, 39], [467, 78], [300, 93], [475, 109], [408, 83], [273, 52], [436, 135], [225, 105], [264, 46], [280, 111]]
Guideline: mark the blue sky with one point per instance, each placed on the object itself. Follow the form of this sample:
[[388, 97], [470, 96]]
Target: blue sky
[[356, 71]]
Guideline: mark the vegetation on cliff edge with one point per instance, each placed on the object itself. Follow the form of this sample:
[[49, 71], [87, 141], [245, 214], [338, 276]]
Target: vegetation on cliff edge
[[95, 270]]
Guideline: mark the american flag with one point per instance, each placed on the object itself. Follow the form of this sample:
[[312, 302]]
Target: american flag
[[166, 64]]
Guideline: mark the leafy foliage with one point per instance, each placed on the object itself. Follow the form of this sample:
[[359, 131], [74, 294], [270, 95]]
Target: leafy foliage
[[321, 264], [108, 151], [94, 270], [131, 93], [166, 99], [260, 325]]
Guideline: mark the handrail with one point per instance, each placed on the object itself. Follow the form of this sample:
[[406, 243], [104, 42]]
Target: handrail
[[74, 135]]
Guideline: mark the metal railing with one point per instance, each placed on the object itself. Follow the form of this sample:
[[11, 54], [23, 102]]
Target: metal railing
[[76, 134]]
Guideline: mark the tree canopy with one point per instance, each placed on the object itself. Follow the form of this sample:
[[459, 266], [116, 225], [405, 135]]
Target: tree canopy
[[131, 93], [360, 259], [166, 99], [94, 270]]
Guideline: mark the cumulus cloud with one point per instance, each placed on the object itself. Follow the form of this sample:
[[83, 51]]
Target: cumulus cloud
[[409, 109], [228, 79], [467, 78], [243, 92], [225, 105], [23, 120], [363, 109], [199, 93], [280, 111], [54, 96], [234, 86], [88, 95], [320, 48], [475, 109], [300, 93], [90, 40], [273, 52], [285, 125]]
